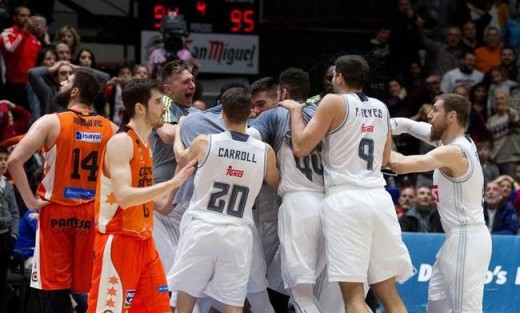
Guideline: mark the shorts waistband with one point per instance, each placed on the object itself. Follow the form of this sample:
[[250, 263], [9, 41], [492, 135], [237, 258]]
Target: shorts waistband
[[472, 228]]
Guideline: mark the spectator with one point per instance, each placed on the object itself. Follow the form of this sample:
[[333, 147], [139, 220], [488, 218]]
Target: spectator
[[377, 57], [489, 168], [9, 216], [506, 138], [47, 57], [14, 120], [24, 246], [469, 35], [427, 92], [63, 50], [423, 217], [113, 91], [442, 57], [70, 36], [85, 58], [415, 77], [45, 81], [20, 48], [406, 201], [500, 214], [508, 62], [511, 29], [465, 74], [499, 83], [506, 186], [140, 71], [437, 14], [488, 55], [497, 10], [397, 100]]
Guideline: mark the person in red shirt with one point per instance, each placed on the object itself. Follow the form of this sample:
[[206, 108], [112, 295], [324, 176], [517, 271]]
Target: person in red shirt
[[20, 48], [14, 120]]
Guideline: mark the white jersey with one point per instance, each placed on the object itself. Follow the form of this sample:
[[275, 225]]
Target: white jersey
[[229, 179], [353, 152], [459, 199]]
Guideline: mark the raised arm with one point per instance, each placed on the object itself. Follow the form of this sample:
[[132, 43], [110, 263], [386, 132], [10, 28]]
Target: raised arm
[[117, 163]]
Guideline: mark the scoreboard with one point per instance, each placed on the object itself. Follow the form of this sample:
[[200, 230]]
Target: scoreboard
[[204, 16]]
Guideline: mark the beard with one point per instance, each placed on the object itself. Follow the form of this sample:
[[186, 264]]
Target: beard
[[437, 132], [62, 98], [492, 201]]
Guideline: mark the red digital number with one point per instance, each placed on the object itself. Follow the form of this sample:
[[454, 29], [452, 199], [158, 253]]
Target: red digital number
[[160, 11], [242, 21]]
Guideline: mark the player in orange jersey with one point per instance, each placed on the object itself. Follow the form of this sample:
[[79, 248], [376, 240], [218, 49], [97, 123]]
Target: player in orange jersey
[[72, 142], [128, 274]]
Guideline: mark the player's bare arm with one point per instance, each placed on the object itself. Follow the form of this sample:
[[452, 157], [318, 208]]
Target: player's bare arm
[[306, 137], [42, 133], [388, 148], [272, 175], [451, 159], [117, 166]]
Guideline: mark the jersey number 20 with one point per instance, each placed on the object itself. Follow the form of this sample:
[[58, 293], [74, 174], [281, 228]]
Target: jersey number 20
[[221, 198]]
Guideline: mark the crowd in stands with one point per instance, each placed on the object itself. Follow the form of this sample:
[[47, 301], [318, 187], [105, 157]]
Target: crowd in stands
[[424, 48]]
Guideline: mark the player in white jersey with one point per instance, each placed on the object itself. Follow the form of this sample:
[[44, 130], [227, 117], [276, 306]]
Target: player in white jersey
[[302, 190], [457, 281], [362, 234], [214, 252]]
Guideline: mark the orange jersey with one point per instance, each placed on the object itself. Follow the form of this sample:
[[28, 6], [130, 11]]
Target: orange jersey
[[136, 220], [72, 163]]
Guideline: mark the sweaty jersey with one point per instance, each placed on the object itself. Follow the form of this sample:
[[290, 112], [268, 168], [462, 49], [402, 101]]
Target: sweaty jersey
[[137, 220], [296, 174], [353, 152], [229, 179], [459, 199], [72, 163]]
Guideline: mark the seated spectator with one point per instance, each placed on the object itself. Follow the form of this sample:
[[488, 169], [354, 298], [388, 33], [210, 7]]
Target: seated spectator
[[140, 71], [406, 201], [70, 36], [488, 55], [489, 168], [63, 50], [14, 120], [504, 129], [423, 217], [506, 186], [24, 246], [9, 216], [397, 100], [47, 57], [500, 215], [465, 74], [499, 82], [85, 58], [112, 93]]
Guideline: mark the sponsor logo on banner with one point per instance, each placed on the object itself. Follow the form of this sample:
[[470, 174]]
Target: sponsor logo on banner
[[217, 53]]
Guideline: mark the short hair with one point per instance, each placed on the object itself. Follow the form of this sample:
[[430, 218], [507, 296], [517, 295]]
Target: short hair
[[228, 86], [457, 103], [138, 91], [296, 81], [17, 10], [92, 56], [268, 84], [88, 84], [3, 150], [354, 69], [174, 67], [236, 105]]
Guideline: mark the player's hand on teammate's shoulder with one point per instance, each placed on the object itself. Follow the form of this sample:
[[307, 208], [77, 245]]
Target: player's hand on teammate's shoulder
[[291, 104], [181, 174]]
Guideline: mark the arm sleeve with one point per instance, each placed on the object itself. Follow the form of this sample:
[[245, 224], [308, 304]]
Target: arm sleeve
[[419, 130]]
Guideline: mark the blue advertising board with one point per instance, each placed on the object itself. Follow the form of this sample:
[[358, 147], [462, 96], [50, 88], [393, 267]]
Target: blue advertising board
[[502, 288]]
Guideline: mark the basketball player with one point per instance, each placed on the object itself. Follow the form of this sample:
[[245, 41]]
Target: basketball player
[[362, 234], [457, 281], [128, 274], [214, 252], [72, 142]]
